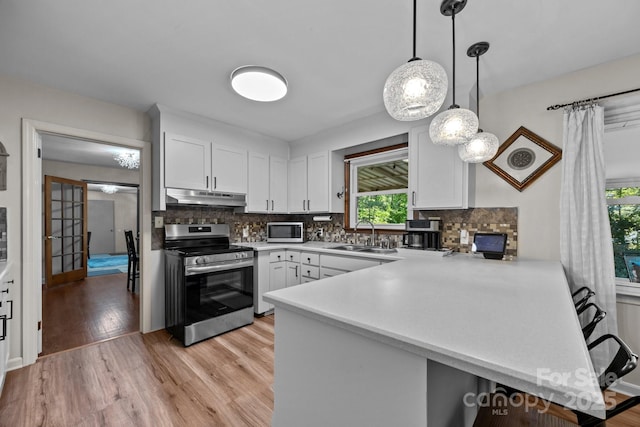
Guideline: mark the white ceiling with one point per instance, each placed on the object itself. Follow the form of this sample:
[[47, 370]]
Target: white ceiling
[[336, 54]]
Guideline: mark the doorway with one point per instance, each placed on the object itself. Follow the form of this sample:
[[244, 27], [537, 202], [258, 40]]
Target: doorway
[[32, 207]]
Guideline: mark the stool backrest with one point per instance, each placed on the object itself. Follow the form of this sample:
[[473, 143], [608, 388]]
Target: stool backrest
[[623, 362]]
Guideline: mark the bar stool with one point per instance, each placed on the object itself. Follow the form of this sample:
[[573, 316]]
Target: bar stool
[[598, 315], [581, 297], [500, 411]]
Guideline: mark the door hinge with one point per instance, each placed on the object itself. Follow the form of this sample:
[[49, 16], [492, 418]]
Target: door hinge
[[39, 153], [39, 324]]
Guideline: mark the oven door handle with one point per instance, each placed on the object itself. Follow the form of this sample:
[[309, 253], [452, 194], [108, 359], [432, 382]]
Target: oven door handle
[[231, 265]]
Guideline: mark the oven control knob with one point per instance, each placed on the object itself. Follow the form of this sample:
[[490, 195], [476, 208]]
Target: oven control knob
[[200, 260]]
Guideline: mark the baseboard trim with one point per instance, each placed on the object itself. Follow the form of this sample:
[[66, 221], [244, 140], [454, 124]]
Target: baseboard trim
[[15, 363], [627, 388]]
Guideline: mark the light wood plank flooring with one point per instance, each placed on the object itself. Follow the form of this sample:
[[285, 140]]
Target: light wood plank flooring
[[87, 311], [148, 380], [152, 380]]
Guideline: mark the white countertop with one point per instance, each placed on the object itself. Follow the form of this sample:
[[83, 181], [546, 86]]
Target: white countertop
[[510, 322]]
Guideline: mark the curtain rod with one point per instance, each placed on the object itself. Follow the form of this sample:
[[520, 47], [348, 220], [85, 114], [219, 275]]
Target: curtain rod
[[597, 98]]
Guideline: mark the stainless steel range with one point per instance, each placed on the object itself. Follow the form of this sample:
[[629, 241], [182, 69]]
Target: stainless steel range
[[208, 282]]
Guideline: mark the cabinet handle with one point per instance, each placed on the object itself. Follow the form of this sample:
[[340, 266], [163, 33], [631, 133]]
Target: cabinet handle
[[9, 281], [303, 205], [4, 291], [3, 318], [278, 257], [308, 204], [413, 198], [309, 260], [215, 182], [207, 182], [271, 204], [267, 204], [296, 271]]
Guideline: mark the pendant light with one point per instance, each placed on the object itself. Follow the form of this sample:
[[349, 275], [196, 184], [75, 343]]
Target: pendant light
[[417, 89], [483, 145], [455, 125]]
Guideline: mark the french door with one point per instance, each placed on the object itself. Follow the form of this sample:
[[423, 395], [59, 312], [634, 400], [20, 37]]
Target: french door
[[65, 230]]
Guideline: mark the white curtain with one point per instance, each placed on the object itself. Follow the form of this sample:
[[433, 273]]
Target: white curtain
[[586, 249]]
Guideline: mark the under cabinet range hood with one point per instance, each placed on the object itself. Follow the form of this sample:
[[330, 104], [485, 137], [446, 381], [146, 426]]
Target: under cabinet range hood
[[193, 197]]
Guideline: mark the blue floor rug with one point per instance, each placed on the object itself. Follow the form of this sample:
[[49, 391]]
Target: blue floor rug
[[101, 261], [93, 273]]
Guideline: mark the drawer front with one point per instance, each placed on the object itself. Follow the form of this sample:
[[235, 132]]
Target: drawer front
[[308, 279], [310, 258], [330, 272], [347, 263], [310, 271], [277, 256], [293, 256]]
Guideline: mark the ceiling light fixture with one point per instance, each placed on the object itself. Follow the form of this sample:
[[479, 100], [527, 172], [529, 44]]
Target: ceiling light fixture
[[128, 159], [483, 145], [109, 189], [417, 89], [455, 125], [258, 83]]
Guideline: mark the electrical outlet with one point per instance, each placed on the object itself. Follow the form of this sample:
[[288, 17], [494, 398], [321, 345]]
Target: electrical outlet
[[464, 237], [320, 232], [245, 232], [158, 222]]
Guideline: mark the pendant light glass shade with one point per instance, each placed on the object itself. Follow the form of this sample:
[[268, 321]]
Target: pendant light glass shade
[[415, 90], [456, 125], [481, 147], [453, 127]]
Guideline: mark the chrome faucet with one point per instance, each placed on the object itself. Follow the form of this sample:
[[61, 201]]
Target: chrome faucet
[[373, 232]]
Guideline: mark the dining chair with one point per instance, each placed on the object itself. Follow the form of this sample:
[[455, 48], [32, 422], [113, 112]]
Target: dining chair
[[133, 266]]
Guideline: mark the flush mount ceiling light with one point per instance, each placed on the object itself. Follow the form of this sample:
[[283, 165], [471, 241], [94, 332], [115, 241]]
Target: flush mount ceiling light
[[128, 159], [109, 189], [455, 125], [258, 83], [483, 145], [417, 89]]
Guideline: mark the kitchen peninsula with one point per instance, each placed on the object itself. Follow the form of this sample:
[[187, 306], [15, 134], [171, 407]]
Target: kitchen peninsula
[[404, 342]]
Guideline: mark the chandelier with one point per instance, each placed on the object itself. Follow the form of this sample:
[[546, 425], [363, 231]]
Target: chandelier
[[417, 89], [109, 189], [128, 159], [455, 125]]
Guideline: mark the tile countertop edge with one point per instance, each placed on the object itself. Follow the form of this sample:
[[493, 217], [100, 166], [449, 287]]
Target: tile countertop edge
[[476, 366]]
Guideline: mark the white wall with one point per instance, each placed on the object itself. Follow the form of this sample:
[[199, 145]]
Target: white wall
[[125, 215], [20, 99], [502, 114]]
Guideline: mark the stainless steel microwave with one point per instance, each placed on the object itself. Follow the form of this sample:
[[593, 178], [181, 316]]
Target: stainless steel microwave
[[285, 232]]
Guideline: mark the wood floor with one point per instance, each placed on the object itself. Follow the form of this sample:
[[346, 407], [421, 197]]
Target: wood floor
[[149, 380], [88, 311], [152, 380]]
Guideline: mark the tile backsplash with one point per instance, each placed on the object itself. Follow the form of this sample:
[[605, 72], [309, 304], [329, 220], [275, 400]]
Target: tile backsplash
[[496, 220], [503, 220]]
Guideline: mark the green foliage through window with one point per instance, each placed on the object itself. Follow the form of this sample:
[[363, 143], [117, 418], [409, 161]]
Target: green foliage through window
[[383, 208], [625, 227]]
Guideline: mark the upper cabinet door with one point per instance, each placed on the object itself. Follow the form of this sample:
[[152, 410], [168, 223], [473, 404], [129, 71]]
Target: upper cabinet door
[[258, 199], [278, 185], [318, 182], [187, 163], [438, 178], [229, 169], [298, 185]]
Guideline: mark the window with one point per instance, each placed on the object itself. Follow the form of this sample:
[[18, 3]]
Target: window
[[623, 200], [378, 184]]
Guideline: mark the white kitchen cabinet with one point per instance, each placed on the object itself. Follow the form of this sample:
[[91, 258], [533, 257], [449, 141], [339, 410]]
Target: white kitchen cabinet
[[310, 266], [187, 163], [228, 169], [438, 178], [267, 184], [294, 273], [6, 312], [314, 182], [346, 263], [201, 165]]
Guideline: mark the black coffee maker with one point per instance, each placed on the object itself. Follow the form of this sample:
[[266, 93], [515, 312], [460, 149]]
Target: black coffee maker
[[422, 234]]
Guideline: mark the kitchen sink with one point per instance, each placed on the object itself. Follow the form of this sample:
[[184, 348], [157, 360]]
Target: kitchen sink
[[369, 249], [354, 248]]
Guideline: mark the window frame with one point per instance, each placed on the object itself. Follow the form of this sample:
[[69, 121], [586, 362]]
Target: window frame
[[352, 161], [624, 286]]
